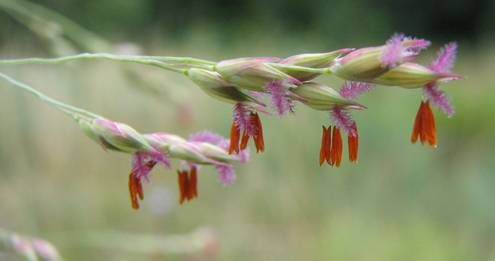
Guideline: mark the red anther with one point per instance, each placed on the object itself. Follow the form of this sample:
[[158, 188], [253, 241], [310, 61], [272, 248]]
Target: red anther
[[136, 187], [258, 137], [234, 139], [325, 145], [424, 125], [193, 183], [182, 182], [336, 150], [353, 144]]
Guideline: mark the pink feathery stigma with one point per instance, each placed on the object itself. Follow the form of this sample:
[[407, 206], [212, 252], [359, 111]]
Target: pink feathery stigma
[[445, 58], [139, 165], [400, 48], [415, 45], [280, 101], [392, 53], [226, 173], [161, 158], [242, 119], [241, 116], [140, 161], [438, 98], [243, 156], [351, 90], [343, 120], [215, 139], [412, 47], [206, 136]]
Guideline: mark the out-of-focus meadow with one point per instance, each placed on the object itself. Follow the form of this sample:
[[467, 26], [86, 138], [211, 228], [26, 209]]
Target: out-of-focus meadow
[[400, 202]]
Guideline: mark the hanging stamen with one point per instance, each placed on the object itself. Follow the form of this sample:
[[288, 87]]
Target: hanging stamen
[[234, 139], [193, 183], [428, 125], [336, 150], [188, 184], [136, 186], [353, 144], [417, 124], [258, 137], [424, 125], [182, 181], [135, 190], [325, 145]]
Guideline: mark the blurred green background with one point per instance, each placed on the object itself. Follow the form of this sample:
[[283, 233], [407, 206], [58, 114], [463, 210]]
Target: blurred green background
[[400, 202]]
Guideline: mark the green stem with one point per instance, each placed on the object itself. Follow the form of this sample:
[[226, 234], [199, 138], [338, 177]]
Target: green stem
[[68, 109], [184, 60], [106, 56]]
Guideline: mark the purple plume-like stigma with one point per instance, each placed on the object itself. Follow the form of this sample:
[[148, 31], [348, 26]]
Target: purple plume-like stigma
[[343, 120], [226, 173], [445, 58], [400, 48], [140, 160], [241, 116], [439, 98], [392, 53], [415, 45], [442, 64], [351, 90], [281, 103]]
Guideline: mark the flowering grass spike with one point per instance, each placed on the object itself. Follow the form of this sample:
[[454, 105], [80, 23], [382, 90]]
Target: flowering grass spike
[[148, 150], [245, 82], [424, 123]]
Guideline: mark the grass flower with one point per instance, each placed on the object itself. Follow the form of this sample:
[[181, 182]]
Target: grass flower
[[204, 148], [148, 150], [424, 123], [411, 75], [331, 143], [365, 64], [259, 74], [338, 104], [246, 121], [142, 164], [225, 171]]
